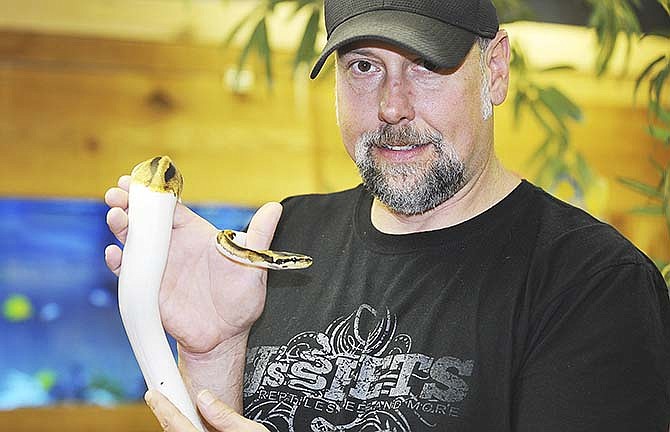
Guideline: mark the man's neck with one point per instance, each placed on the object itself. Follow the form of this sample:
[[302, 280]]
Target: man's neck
[[482, 192]]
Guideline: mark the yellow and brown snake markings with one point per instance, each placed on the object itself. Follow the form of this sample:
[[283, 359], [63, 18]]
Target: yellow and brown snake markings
[[275, 260]]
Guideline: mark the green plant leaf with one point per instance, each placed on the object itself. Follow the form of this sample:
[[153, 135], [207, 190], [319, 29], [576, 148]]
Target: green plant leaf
[[306, 52], [541, 151], [659, 112], [249, 45], [657, 166], [259, 43], [658, 82], [558, 68], [660, 134], [584, 172], [273, 3], [513, 10], [646, 72], [648, 211], [642, 188], [550, 171], [264, 51], [608, 19], [540, 119], [301, 4], [520, 100], [258, 10], [559, 104], [664, 184], [518, 61]]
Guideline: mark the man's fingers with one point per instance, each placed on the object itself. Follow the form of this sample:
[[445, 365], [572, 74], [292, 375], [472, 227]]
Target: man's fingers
[[262, 226], [116, 197], [124, 182], [113, 258], [117, 220], [223, 417], [168, 416], [217, 414]]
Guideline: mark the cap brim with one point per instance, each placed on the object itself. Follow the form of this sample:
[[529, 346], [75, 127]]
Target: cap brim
[[442, 44]]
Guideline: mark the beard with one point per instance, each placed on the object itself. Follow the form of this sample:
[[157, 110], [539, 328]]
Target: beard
[[410, 188]]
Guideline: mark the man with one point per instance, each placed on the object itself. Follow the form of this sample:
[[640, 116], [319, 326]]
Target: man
[[446, 295]]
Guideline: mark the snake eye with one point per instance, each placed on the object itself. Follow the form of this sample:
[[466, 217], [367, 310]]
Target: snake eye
[[154, 164], [170, 173]]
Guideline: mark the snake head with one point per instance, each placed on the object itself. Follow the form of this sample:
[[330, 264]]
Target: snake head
[[159, 174]]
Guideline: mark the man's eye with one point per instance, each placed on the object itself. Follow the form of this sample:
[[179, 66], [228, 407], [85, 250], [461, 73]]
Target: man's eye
[[363, 66]]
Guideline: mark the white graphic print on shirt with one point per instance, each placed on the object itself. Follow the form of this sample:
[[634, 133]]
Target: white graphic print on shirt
[[345, 380]]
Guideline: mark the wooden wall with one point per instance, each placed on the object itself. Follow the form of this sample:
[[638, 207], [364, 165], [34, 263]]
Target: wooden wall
[[125, 418], [78, 111]]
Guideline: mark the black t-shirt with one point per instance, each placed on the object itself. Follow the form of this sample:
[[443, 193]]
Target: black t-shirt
[[532, 316]]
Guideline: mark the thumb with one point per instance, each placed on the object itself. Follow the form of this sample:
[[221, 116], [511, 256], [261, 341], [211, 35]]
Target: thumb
[[223, 417], [262, 226]]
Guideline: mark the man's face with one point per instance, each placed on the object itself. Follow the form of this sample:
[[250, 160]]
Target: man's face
[[416, 134]]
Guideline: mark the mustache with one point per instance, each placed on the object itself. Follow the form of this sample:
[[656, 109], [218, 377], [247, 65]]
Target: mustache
[[388, 136]]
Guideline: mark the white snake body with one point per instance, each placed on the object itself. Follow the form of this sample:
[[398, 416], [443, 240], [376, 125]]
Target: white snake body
[[150, 214], [154, 191]]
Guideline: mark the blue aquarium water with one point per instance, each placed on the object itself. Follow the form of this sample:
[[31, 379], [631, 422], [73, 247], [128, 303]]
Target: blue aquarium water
[[61, 334]]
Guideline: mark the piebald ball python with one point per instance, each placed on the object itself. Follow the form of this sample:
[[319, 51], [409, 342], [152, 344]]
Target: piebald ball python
[[155, 188]]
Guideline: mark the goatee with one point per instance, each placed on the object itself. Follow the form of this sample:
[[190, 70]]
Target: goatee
[[410, 188]]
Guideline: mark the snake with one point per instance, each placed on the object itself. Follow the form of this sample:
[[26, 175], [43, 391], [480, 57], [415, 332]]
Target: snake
[[155, 189]]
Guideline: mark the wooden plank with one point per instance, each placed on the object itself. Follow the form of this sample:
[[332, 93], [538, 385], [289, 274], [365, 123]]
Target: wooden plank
[[126, 418], [97, 122], [147, 20], [87, 54], [102, 136]]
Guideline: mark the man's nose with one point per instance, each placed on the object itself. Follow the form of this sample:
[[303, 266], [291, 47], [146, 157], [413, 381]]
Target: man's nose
[[396, 105]]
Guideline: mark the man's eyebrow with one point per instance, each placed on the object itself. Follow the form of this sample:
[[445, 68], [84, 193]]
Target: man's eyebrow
[[356, 51], [367, 52]]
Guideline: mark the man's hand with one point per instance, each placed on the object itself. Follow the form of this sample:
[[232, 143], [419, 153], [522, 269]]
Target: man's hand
[[207, 302], [219, 415], [205, 299]]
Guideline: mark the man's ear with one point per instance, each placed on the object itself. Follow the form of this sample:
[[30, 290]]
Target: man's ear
[[497, 59]]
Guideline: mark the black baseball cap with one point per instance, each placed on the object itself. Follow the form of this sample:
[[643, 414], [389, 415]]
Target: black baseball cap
[[440, 31]]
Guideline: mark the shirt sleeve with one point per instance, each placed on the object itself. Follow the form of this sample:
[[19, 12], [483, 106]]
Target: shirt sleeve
[[599, 358]]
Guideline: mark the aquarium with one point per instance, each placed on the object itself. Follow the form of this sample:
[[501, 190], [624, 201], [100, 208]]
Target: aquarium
[[62, 337]]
